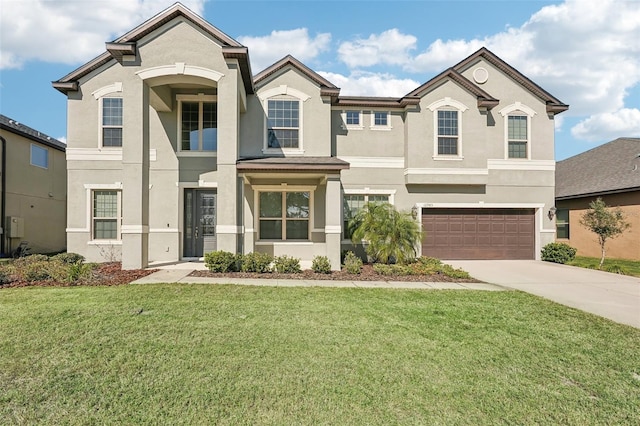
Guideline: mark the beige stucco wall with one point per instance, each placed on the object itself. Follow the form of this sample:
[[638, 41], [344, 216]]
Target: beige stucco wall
[[625, 246], [36, 195]]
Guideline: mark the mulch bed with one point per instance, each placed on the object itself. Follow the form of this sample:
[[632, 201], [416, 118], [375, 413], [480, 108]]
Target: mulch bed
[[367, 274], [106, 274]]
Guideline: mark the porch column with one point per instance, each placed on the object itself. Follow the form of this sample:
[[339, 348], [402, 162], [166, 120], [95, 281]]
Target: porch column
[[333, 221], [228, 193], [135, 177]]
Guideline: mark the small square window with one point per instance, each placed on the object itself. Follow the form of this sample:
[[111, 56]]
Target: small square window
[[39, 156], [353, 118], [380, 119]]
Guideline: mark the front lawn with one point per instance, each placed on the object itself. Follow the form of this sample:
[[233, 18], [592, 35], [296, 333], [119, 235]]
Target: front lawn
[[205, 354], [627, 267]]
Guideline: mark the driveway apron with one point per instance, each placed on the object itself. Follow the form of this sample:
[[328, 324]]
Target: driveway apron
[[612, 296]]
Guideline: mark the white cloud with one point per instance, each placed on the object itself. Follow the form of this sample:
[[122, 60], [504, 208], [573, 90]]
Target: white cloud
[[608, 126], [266, 50], [390, 47], [62, 139], [70, 32], [360, 83]]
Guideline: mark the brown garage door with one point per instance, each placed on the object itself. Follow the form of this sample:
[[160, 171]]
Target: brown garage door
[[478, 233]]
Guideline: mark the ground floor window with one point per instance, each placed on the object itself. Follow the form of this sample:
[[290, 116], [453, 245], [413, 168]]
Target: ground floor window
[[354, 202], [284, 215], [106, 214], [562, 223]]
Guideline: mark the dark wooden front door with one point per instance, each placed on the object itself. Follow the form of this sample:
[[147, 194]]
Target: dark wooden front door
[[478, 233], [199, 222]]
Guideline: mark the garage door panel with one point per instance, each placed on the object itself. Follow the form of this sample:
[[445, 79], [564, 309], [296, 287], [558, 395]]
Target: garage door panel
[[479, 233]]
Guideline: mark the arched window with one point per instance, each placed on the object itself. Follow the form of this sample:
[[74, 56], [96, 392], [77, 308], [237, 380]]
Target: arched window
[[447, 125], [517, 130]]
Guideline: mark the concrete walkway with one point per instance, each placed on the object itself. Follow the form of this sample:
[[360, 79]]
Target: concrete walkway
[[179, 273], [612, 296]]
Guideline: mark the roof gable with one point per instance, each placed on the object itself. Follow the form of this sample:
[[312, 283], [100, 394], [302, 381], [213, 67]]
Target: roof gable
[[485, 100], [326, 87], [554, 105], [612, 167], [126, 44]]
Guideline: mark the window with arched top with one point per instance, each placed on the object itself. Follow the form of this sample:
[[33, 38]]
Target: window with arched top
[[283, 108], [447, 125], [110, 114], [517, 130]]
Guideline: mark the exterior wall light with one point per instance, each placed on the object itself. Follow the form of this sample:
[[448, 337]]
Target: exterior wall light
[[552, 212], [414, 212]]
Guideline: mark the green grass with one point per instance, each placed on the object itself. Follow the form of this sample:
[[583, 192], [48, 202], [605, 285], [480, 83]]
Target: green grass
[[189, 354], [629, 267]]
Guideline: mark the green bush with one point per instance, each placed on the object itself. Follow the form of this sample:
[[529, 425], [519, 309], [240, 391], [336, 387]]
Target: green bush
[[616, 269], [391, 270], [68, 258], [558, 253], [286, 265], [257, 262], [352, 263], [452, 272], [78, 271], [321, 265], [37, 271], [5, 276], [220, 261], [425, 266]]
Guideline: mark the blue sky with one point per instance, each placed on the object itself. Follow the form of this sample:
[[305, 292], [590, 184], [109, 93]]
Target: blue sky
[[584, 52]]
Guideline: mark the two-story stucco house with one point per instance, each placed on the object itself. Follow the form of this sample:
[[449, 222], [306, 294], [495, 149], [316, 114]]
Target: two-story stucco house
[[175, 148], [33, 193]]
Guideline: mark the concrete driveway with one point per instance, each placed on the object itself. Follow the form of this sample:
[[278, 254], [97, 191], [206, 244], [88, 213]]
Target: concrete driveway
[[612, 296]]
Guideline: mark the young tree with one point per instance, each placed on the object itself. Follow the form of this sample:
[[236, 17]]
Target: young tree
[[605, 222], [391, 235]]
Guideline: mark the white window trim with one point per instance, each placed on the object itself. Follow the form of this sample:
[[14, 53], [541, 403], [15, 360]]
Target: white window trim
[[107, 90], [257, 189], [519, 109], [31, 155], [373, 125], [366, 192], [200, 97], [89, 188], [283, 92], [100, 114], [347, 126], [450, 105]]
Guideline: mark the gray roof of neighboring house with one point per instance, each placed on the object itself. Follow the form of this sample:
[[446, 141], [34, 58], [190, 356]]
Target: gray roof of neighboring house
[[13, 126], [609, 168]]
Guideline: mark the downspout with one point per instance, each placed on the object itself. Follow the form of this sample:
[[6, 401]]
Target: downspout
[[3, 198]]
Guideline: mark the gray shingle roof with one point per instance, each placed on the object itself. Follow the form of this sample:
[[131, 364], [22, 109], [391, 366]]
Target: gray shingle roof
[[13, 126], [612, 167]]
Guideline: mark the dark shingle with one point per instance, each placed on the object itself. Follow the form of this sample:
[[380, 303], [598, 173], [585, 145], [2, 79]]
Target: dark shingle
[[13, 126], [612, 167]]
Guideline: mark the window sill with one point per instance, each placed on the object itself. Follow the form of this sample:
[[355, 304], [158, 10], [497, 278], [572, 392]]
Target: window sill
[[197, 154], [105, 243], [284, 242], [381, 128], [352, 127], [283, 151], [447, 158]]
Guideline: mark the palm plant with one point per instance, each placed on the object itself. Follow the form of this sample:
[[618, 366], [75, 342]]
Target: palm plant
[[391, 236]]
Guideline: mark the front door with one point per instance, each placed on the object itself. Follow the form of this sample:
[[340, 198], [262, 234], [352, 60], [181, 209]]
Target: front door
[[199, 222]]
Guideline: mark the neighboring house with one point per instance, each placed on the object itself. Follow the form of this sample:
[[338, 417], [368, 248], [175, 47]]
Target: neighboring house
[[611, 172], [33, 193], [176, 149]]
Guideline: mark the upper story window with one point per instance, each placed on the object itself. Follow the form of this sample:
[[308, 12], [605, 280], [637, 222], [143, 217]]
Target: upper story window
[[283, 123], [352, 118], [284, 215], [517, 139], [517, 130], [111, 122], [447, 124], [447, 132], [380, 120], [39, 156], [198, 123]]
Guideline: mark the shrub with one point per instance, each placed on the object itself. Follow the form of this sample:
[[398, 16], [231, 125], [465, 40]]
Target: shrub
[[257, 262], [5, 276], [558, 253], [425, 266], [36, 271], [616, 269], [391, 270], [286, 265], [321, 265], [220, 261], [69, 258], [452, 272], [78, 271], [352, 263]]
